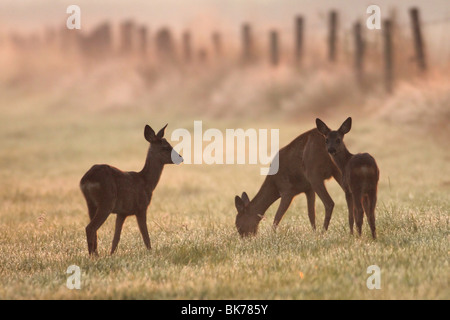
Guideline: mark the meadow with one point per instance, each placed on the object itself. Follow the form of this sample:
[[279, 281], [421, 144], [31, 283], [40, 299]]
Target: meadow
[[196, 251], [62, 111]]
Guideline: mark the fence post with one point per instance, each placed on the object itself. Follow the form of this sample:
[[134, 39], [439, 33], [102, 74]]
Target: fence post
[[298, 38], [98, 43], [274, 53], [202, 56], [332, 38], [50, 37], [187, 48], [388, 64], [247, 44], [418, 39], [142, 40], [217, 43], [68, 39], [359, 52], [164, 45], [126, 36]]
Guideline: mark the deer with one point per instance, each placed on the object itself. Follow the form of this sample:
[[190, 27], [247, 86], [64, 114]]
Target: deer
[[303, 167], [360, 175], [107, 190]]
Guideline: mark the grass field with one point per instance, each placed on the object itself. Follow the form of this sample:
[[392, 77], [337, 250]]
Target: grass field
[[196, 252]]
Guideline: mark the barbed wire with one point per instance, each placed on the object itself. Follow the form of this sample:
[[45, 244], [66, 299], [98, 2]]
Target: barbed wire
[[258, 30], [441, 21]]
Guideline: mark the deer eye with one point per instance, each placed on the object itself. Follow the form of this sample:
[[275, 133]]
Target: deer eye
[[338, 141], [326, 140]]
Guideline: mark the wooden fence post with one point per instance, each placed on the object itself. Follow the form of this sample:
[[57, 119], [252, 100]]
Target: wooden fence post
[[142, 40], [298, 38], [50, 37], [187, 48], [97, 44], [126, 36], [274, 53], [388, 64], [359, 52], [68, 40], [418, 39], [217, 43], [164, 45], [202, 56], [332, 37], [247, 45]]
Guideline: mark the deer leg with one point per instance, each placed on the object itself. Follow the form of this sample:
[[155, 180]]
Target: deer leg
[[92, 210], [348, 196], [91, 229], [349, 199], [311, 201], [120, 219], [319, 188], [358, 210], [369, 203], [284, 205], [373, 203], [142, 223]]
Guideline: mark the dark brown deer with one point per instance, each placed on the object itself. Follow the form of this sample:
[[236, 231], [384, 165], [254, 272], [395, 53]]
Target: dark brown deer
[[360, 175], [304, 165], [109, 190]]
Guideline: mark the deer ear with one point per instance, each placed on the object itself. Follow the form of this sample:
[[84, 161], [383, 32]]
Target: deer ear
[[149, 134], [239, 204], [160, 134], [245, 198], [346, 126], [322, 127]]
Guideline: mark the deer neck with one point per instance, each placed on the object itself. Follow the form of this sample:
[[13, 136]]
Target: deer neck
[[152, 171], [342, 158], [263, 200]]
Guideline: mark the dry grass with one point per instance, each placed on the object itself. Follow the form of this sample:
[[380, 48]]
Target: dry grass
[[197, 253], [59, 118]]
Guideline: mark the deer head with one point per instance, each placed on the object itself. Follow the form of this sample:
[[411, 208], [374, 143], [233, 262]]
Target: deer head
[[246, 220], [334, 139], [160, 149]]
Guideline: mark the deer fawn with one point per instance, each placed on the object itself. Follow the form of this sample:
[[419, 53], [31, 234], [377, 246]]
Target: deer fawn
[[109, 190], [304, 164], [360, 175]]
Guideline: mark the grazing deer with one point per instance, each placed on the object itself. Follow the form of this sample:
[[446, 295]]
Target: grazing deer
[[109, 190], [304, 165], [360, 175]]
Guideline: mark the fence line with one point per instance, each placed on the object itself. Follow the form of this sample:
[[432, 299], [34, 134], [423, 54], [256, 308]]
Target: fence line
[[250, 42]]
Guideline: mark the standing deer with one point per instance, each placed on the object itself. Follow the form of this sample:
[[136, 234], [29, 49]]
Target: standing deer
[[304, 165], [109, 190], [360, 175]]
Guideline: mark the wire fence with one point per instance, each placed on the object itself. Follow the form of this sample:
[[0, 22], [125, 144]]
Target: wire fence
[[421, 42]]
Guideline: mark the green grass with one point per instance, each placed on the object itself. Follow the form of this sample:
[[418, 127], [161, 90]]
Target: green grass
[[196, 252]]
